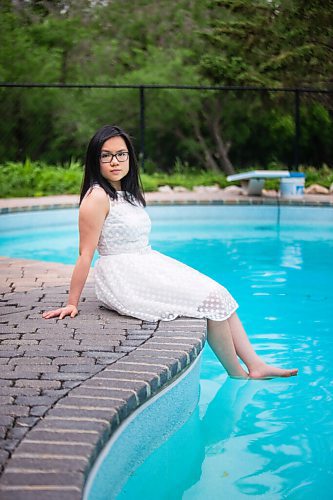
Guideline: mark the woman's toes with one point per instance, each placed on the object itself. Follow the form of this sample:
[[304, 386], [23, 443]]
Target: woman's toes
[[267, 372]]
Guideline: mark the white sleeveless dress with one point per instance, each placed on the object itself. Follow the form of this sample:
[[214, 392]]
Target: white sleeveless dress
[[135, 280]]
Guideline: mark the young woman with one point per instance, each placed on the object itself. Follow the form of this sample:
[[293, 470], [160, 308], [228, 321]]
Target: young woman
[[134, 279]]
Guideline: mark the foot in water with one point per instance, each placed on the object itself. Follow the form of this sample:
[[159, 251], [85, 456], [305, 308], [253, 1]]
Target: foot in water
[[264, 371]]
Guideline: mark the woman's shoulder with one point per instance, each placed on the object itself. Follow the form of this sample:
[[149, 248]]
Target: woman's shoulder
[[95, 197], [96, 192]]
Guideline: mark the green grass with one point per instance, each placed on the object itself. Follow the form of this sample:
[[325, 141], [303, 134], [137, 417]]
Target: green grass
[[39, 179]]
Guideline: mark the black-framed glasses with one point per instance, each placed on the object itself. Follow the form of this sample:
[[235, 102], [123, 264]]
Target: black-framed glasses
[[107, 157]]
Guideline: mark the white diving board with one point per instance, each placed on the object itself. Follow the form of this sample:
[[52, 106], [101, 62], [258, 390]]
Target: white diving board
[[253, 181]]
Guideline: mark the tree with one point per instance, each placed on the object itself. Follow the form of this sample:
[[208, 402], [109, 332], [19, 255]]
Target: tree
[[281, 42]]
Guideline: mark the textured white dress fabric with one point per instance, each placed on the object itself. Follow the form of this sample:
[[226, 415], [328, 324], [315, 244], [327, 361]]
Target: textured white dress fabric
[[135, 280]]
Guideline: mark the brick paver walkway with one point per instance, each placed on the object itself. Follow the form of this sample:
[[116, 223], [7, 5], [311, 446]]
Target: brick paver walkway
[[65, 386]]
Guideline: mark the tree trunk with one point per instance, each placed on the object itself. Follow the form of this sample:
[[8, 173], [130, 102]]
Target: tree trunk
[[213, 120], [227, 166], [208, 156]]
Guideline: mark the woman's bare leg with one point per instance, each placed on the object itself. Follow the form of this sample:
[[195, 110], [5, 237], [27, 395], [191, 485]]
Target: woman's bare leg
[[220, 340], [256, 366], [228, 339]]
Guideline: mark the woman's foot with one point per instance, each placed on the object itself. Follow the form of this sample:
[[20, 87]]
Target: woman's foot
[[242, 374], [264, 371]]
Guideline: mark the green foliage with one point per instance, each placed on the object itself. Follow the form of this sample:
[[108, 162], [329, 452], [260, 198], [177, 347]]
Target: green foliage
[[286, 42], [197, 42], [38, 179], [322, 176]]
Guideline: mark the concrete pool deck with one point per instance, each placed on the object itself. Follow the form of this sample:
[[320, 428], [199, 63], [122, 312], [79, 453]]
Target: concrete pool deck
[[65, 386]]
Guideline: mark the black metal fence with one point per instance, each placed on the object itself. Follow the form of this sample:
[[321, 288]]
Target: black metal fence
[[147, 111]]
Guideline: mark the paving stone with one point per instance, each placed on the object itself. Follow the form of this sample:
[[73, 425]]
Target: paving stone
[[134, 342], [148, 326], [26, 421], [62, 343], [183, 356], [55, 493], [33, 360], [59, 464], [68, 384], [124, 349], [170, 361], [46, 352], [54, 393], [38, 411], [6, 420], [6, 400], [59, 329], [42, 384], [23, 328], [6, 329], [7, 367], [19, 374], [14, 318], [4, 454], [9, 354], [81, 369], [60, 376], [153, 380], [94, 413], [99, 354], [73, 361], [14, 410], [8, 444], [32, 368], [18, 342], [47, 478], [98, 348], [62, 436], [105, 334], [53, 448], [9, 336], [138, 336], [101, 361], [37, 400], [100, 344], [83, 425], [5, 383], [17, 432]]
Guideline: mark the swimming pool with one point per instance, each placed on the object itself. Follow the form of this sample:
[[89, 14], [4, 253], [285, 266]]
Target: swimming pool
[[267, 439]]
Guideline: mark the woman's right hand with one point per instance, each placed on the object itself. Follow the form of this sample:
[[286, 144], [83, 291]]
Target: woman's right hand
[[62, 312]]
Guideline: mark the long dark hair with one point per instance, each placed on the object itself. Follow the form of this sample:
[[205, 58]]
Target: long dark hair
[[131, 184]]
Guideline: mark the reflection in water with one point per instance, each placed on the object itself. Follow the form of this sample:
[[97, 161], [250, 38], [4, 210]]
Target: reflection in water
[[248, 438], [291, 255]]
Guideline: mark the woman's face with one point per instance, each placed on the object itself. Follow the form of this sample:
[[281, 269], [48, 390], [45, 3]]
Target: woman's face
[[114, 168]]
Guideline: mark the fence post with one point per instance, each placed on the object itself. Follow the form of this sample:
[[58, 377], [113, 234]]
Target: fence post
[[297, 129], [142, 126]]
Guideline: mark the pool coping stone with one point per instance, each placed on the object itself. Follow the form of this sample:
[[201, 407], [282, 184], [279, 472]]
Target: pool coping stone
[[204, 197]]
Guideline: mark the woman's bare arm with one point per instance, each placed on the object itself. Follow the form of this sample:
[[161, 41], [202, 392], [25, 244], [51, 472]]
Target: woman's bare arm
[[93, 210]]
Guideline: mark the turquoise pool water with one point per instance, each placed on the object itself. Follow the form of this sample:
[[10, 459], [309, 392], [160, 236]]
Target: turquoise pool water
[[262, 439]]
